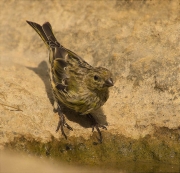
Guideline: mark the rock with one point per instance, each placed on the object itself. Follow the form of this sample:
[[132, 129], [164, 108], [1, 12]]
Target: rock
[[137, 40]]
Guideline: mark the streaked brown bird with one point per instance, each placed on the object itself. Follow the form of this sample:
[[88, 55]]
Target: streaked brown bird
[[74, 82]]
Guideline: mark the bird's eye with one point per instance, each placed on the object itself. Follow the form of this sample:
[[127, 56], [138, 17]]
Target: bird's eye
[[96, 77]]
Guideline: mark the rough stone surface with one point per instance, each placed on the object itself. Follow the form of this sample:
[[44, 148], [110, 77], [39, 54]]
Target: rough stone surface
[[139, 41]]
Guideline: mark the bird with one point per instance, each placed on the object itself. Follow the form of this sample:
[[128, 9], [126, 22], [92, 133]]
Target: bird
[[75, 83]]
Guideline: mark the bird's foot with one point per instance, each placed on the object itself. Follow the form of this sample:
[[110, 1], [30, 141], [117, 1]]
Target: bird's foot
[[62, 123], [96, 125]]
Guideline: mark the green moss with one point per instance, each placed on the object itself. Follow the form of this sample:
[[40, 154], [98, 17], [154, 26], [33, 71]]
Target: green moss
[[162, 147]]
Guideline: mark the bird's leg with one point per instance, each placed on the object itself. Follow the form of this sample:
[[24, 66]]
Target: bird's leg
[[62, 122], [96, 125]]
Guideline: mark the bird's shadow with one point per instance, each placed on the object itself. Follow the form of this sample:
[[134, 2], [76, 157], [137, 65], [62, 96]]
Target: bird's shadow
[[42, 72]]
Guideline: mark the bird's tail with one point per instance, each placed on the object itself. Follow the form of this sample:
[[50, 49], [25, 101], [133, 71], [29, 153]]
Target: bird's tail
[[46, 33]]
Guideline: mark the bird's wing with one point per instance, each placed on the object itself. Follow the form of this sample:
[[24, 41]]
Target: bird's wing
[[67, 68]]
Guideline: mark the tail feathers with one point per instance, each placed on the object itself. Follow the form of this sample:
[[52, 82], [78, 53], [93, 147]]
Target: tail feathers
[[39, 30], [46, 33]]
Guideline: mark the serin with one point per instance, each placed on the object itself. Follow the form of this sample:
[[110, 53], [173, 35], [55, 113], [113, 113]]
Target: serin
[[74, 82]]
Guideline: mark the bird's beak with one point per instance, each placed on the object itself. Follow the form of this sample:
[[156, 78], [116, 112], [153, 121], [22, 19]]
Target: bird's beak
[[109, 82]]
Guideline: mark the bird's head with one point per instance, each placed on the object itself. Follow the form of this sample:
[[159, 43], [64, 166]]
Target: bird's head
[[99, 78]]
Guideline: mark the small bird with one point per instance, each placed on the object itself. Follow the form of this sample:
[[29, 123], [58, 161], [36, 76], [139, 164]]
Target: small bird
[[74, 82]]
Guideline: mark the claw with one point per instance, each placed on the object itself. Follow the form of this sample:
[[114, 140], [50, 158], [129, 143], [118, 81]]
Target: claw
[[68, 126], [62, 123], [103, 127], [58, 126], [92, 128], [97, 126]]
